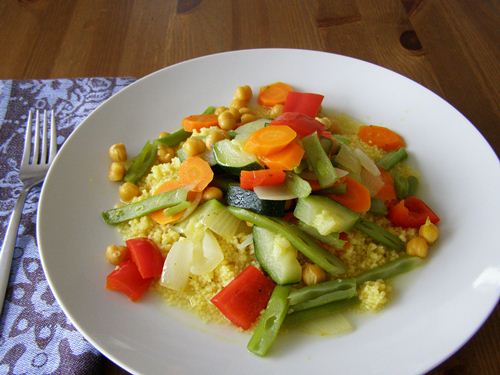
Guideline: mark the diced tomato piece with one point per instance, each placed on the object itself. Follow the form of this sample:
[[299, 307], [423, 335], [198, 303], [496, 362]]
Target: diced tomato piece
[[302, 124], [146, 256], [243, 299], [262, 177], [411, 213], [126, 279], [303, 102]]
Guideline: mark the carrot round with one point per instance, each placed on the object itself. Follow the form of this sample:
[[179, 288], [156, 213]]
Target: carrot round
[[273, 94], [357, 197], [387, 193], [382, 137], [286, 159], [269, 140], [159, 216], [196, 172], [197, 122]]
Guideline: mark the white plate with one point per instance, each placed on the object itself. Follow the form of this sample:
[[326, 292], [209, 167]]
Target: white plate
[[436, 308]]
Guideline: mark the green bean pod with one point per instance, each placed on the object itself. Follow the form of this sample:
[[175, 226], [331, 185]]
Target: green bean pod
[[393, 268]]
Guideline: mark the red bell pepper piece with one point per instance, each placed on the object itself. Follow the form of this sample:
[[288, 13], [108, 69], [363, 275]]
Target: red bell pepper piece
[[127, 279], [411, 213], [243, 299], [146, 256], [302, 124], [303, 102], [262, 177]]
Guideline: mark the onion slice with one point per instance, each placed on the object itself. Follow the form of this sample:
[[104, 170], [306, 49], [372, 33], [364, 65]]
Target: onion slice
[[367, 162], [177, 265], [207, 256]]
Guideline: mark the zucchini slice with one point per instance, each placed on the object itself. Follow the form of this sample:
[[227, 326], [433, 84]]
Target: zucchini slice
[[231, 157], [242, 198]]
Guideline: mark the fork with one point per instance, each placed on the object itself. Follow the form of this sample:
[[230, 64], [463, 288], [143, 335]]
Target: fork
[[33, 169]]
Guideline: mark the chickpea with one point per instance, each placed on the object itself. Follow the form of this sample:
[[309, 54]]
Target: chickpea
[[194, 146], [117, 152], [243, 93], [429, 231], [417, 246], [219, 110], [116, 254], [276, 110], [213, 138], [312, 274], [236, 113], [238, 103], [244, 110], [163, 134], [247, 117], [127, 191], [116, 171], [211, 192], [325, 121], [226, 120], [165, 154]]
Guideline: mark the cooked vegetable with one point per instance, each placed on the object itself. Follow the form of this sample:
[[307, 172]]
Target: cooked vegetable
[[389, 160], [381, 137], [170, 211], [331, 239], [417, 246], [141, 163], [356, 198], [243, 299], [380, 235], [324, 214], [378, 207], [197, 122], [270, 322], [302, 124], [273, 94], [429, 231], [302, 102], [177, 266], [207, 255], [318, 161], [276, 256], [387, 193], [147, 257], [145, 206], [196, 172], [174, 138], [297, 186], [299, 317], [209, 110], [312, 274], [286, 159], [348, 160], [126, 279], [242, 198], [411, 213], [263, 177], [322, 294], [269, 140], [298, 239], [393, 268], [117, 152], [405, 185], [244, 131], [230, 156]]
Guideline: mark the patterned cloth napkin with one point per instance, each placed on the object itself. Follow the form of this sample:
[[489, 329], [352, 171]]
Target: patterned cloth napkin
[[35, 335]]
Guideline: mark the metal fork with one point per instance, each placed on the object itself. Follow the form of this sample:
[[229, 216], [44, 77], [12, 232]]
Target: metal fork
[[34, 166]]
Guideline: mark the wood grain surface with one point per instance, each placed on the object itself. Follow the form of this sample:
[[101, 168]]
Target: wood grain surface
[[450, 46]]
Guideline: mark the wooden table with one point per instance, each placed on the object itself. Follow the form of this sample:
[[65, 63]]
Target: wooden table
[[451, 47]]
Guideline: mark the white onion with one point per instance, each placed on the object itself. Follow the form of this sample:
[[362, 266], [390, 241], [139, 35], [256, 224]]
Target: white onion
[[367, 162], [177, 265], [341, 172], [208, 256], [372, 183], [274, 193], [348, 159]]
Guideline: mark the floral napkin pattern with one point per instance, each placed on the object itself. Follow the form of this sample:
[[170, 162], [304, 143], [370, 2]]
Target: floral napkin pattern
[[35, 335]]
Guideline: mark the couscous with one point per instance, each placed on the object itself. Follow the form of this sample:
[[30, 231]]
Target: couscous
[[267, 212]]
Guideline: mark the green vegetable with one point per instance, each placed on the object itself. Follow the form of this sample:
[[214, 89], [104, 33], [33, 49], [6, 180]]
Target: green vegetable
[[335, 189], [303, 316], [177, 208], [270, 322], [318, 161], [393, 268], [332, 239], [324, 214], [232, 158], [174, 139], [301, 167], [141, 163], [210, 110], [327, 144], [405, 186], [145, 206], [380, 235], [378, 207], [239, 197], [243, 132], [300, 240], [276, 256], [389, 160], [297, 186], [322, 294]]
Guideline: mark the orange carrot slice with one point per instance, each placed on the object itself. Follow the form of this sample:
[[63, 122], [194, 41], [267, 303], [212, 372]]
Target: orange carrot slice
[[286, 159], [357, 197], [196, 172], [387, 193], [197, 122], [273, 94], [161, 218], [269, 140], [384, 138]]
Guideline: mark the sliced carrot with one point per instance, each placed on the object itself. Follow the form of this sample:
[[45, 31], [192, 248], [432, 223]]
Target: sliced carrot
[[357, 197], [384, 138], [286, 159], [387, 193], [197, 122], [273, 94], [270, 139], [196, 172], [161, 218]]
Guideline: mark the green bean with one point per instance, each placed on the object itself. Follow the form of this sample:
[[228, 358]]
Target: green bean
[[332, 239], [169, 211], [403, 264], [141, 163], [270, 322], [389, 160], [378, 207], [319, 312], [210, 110], [318, 295], [145, 206], [380, 235], [174, 138], [318, 161]]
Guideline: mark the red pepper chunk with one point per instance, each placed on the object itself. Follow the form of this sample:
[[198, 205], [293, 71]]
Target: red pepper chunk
[[303, 102], [126, 279], [411, 213], [243, 299], [261, 177], [146, 256], [302, 124]]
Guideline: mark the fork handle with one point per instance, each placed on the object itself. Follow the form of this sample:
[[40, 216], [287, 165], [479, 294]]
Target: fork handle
[[8, 245]]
